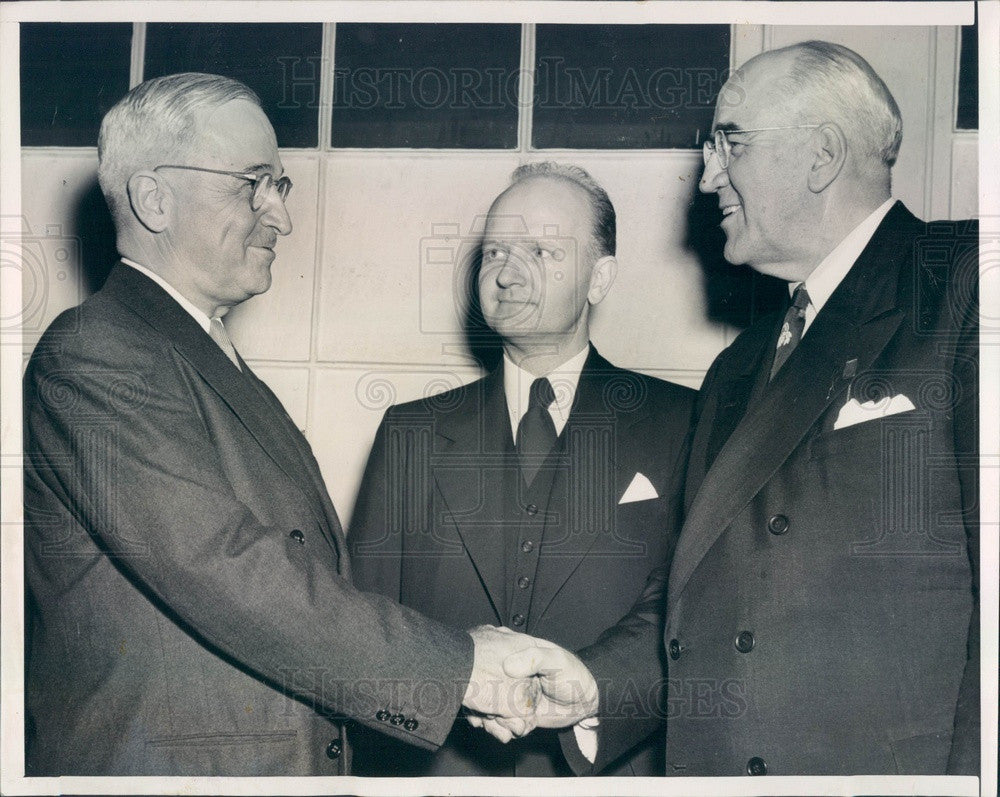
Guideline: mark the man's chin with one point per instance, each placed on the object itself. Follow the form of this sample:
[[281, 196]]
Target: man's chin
[[732, 254]]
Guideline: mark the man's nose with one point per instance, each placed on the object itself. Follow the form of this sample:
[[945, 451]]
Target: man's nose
[[713, 177], [276, 214], [512, 272]]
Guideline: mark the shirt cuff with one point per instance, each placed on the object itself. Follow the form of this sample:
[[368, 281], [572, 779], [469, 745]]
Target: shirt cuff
[[585, 733]]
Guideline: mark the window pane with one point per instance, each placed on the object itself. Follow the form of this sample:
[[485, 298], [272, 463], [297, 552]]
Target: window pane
[[627, 86], [968, 80], [71, 74], [426, 86], [281, 62]]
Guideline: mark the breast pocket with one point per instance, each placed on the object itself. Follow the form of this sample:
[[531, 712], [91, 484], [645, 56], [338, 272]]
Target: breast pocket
[[871, 438], [640, 527]]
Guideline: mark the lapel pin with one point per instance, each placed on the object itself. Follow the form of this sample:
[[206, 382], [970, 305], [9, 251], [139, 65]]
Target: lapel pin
[[849, 372]]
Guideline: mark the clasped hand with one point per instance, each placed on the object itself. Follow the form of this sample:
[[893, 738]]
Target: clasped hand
[[520, 683]]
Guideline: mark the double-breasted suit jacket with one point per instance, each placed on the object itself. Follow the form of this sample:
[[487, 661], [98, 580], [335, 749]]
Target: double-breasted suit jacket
[[444, 524], [822, 600], [189, 605]]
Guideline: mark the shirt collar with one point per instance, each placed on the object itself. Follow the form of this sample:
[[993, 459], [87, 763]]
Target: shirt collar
[[564, 379], [834, 267], [203, 320]]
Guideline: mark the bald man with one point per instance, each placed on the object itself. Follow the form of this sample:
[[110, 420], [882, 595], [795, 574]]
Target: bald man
[[822, 610]]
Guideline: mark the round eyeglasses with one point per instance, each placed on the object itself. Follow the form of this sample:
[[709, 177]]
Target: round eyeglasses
[[719, 144], [262, 183]]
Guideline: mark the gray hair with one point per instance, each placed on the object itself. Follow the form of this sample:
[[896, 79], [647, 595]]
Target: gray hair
[[154, 121], [604, 225], [839, 79]]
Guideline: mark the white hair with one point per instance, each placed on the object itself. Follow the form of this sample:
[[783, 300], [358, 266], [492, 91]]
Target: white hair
[[155, 123], [839, 80]]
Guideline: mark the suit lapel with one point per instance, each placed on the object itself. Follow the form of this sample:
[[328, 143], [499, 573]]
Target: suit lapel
[[154, 306], [855, 324], [588, 460], [736, 385], [299, 451], [475, 446]]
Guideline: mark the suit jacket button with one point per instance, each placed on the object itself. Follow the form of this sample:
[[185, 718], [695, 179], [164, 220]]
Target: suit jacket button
[[778, 524], [756, 766], [397, 719], [517, 619], [744, 642], [333, 749], [411, 725], [675, 649], [298, 536], [382, 715], [524, 582], [527, 546], [531, 509]]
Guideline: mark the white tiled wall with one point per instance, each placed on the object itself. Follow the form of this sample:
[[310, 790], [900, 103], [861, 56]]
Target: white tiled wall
[[362, 312]]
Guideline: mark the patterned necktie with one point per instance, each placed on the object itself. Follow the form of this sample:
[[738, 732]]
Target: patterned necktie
[[217, 332], [536, 434], [791, 329]]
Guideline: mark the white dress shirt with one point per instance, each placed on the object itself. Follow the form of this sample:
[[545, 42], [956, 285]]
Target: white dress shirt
[[564, 379]]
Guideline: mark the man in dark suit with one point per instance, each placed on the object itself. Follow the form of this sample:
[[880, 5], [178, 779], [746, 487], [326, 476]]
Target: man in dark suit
[[822, 610], [188, 593], [541, 496]]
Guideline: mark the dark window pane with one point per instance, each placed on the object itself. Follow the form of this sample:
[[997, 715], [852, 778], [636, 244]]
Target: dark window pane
[[281, 62], [627, 86], [71, 74], [428, 86], [968, 80]]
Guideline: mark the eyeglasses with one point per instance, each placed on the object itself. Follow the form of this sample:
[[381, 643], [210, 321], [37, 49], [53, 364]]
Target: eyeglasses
[[262, 183], [720, 144]]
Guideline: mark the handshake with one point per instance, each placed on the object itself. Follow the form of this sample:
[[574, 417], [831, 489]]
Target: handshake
[[520, 683]]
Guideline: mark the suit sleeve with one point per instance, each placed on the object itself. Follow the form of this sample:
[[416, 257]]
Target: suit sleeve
[[141, 475], [629, 665], [628, 661], [964, 757]]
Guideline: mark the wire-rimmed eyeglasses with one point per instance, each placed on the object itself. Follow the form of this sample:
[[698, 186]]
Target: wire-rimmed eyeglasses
[[720, 145], [262, 183]]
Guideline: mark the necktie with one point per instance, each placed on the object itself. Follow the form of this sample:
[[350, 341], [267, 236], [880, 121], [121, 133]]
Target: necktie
[[536, 434], [217, 332], [791, 329]]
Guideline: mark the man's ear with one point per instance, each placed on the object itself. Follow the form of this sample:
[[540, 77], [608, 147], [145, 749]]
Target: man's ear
[[601, 278], [830, 154], [151, 200]]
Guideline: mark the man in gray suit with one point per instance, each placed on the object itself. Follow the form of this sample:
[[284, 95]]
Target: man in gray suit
[[189, 601], [466, 517]]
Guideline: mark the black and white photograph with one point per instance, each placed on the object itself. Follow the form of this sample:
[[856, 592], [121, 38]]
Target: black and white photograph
[[473, 398]]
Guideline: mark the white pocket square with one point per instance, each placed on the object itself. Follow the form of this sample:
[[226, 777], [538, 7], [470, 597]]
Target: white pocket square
[[854, 412], [639, 490]]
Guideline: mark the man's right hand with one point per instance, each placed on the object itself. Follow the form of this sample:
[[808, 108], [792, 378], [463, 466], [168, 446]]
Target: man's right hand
[[492, 693], [520, 683], [567, 691]]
